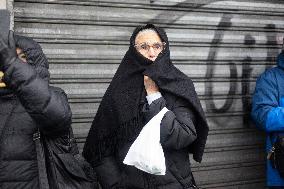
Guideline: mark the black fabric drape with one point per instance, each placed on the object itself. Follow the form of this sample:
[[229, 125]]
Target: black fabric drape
[[119, 108]]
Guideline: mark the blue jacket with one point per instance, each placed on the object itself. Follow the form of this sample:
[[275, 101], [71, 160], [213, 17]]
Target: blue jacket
[[268, 110]]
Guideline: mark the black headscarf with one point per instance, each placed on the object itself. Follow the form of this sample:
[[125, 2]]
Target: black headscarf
[[120, 105]]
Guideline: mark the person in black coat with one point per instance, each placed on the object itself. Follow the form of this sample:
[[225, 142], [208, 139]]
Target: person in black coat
[[146, 82], [28, 103]]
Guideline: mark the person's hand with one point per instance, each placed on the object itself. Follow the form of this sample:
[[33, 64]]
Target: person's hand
[[8, 52], [2, 84], [150, 85]]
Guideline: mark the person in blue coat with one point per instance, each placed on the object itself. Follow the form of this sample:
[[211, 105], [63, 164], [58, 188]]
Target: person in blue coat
[[268, 112]]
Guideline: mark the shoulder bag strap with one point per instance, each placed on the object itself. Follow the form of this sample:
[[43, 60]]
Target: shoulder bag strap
[[73, 143], [43, 180]]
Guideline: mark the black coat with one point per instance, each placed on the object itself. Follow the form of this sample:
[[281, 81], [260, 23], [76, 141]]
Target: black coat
[[177, 132], [29, 103]]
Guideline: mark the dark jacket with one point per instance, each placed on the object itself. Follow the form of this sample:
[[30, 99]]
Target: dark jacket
[[268, 111], [177, 133], [27, 104]]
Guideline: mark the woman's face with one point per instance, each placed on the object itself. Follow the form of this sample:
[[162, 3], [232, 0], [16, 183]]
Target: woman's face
[[149, 44], [21, 55]]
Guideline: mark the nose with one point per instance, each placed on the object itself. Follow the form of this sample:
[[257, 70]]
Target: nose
[[151, 53]]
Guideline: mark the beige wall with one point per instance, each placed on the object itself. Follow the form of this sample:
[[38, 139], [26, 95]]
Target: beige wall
[[3, 4]]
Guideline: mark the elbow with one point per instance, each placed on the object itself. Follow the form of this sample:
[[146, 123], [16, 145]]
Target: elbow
[[179, 140], [259, 120], [57, 122]]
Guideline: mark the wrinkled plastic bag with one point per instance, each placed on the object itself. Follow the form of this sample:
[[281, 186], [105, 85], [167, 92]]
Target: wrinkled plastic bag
[[146, 152]]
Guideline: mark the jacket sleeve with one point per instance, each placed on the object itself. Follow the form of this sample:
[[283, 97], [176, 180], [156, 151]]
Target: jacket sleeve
[[48, 106], [266, 111], [177, 126]]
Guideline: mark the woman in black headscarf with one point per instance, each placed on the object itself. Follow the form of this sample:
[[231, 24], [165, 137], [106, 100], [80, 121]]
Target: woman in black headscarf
[[146, 82]]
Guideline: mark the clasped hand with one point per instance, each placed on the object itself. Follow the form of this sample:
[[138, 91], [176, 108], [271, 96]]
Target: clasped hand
[[150, 85]]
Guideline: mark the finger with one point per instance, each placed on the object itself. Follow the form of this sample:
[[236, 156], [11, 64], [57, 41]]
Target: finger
[[150, 80], [2, 85]]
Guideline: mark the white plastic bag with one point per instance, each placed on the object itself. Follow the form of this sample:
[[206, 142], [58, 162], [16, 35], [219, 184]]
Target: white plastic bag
[[146, 153]]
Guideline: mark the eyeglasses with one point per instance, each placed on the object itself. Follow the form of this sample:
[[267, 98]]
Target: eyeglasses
[[157, 47]]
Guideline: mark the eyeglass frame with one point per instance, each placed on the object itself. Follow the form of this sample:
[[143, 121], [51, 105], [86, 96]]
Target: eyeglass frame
[[164, 45]]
